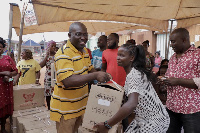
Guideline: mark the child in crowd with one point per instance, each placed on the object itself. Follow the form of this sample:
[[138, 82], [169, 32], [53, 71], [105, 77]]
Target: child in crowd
[[164, 62], [161, 88], [151, 116]]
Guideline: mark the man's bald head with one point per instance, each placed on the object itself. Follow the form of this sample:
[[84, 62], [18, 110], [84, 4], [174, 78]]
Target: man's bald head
[[180, 40], [76, 25], [78, 35], [183, 33]]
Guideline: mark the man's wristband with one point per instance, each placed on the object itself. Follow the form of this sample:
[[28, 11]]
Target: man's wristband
[[37, 79], [106, 125]]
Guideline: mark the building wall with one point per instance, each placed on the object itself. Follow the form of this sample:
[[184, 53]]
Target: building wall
[[194, 31], [123, 39], [140, 37]]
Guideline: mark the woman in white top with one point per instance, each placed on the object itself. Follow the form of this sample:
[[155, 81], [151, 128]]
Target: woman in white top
[[151, 115]]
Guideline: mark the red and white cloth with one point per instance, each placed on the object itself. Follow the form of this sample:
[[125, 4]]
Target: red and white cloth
[[197, 82], [181, 99]]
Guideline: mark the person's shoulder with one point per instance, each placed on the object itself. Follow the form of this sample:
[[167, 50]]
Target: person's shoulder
[[97, 51], [6, 57], [110, 50], [197, 50], [64, 50], [106, 50], [134, 72], [172, 57], [197, 53], [20, 62], [94, 51], [33, 60]]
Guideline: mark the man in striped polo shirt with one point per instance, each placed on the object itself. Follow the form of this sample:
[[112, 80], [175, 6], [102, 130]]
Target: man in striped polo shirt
[[73, 72]]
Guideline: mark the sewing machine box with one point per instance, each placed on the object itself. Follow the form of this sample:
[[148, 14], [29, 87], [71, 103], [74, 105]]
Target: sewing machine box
[[26, 114], [44, 130], [28, 96], [103, 102], [37, 121]]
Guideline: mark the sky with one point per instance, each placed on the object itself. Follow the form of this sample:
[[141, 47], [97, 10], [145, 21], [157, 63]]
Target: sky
[[4, 26]]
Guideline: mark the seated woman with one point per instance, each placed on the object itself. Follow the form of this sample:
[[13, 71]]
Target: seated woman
[[28, 69]]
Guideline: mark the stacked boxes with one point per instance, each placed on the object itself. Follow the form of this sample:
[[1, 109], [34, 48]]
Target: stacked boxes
[[32, 120], [30, 115]]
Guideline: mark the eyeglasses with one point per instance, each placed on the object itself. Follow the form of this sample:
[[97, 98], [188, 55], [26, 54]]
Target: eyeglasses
[[79, 34]]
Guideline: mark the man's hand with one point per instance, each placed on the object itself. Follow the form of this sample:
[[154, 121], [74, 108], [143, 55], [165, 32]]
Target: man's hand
[[37, 81], [101, 128], [171, 81], [103, 77]]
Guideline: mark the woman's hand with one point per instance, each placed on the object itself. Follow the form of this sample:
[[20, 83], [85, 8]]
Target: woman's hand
[[6, 73], [101, 128], [6, 79]]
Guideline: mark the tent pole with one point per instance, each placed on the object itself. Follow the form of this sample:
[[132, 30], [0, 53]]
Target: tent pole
[[166, 55], [20, 35], [10, 28], [169, 40]]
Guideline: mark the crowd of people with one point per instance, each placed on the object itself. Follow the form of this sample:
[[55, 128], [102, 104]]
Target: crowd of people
[[162, 94]]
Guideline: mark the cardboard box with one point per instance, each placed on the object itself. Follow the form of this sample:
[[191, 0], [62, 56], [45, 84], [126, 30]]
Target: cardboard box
[[25, 125], [27, 113], [43, 130], [84, 130], [32, 119], [28, 96], [104, 101]]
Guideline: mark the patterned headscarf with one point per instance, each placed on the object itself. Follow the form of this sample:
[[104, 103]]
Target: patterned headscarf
[[49, 44]]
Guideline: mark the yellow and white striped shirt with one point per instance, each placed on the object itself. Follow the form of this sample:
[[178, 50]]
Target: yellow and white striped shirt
[[69, 102]]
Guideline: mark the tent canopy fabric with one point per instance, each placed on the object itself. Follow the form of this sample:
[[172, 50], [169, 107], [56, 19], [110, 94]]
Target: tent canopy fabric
[[92, 26], [154, 13], [31, 43]]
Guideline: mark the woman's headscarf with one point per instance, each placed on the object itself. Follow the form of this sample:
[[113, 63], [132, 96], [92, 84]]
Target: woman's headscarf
[[49, 44]]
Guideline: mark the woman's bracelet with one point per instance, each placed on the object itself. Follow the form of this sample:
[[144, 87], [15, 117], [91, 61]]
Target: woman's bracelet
[[106, 125]]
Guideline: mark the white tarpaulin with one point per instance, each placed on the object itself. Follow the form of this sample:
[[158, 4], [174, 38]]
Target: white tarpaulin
[[92, 26], [154, 13]]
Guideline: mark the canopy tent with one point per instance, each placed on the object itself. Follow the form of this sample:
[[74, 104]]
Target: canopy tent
[[31, 43], [154, 13], [92, 26]]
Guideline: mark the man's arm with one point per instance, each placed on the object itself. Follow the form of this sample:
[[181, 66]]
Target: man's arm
[[189, 83], [104, 67], [37, 77], [79, 80], [16, 79], [92, 70]]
